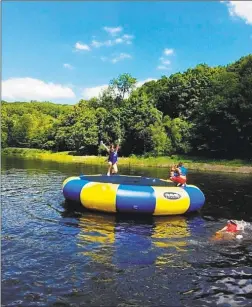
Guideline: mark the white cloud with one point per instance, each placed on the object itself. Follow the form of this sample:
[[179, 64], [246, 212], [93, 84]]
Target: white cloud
[[165, 61], [163, 67], [118, 40], [140, 83], [242, 9], [113, 31], [80, 46], [98, 44], [168, 51], [117, 58], [69, 66], [90, 92], [34, 89], [125, 39], [127, 36], [121, 57]]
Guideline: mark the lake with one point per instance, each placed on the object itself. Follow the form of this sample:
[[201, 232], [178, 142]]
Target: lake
[[53, 255]]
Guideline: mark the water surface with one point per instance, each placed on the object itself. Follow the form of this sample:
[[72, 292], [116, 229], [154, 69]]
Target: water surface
[[53, 255]]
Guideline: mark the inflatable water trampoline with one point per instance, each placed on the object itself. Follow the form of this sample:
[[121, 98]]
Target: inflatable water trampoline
[[132, 194]]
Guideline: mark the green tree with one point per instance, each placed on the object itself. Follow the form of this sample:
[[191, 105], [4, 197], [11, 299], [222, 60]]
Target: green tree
[[122, 85], [179, 132], [204, 110], [160, 143], [137, 115]]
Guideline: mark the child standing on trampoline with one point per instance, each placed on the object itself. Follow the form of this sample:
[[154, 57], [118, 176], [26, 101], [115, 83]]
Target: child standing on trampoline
[[112, 158]]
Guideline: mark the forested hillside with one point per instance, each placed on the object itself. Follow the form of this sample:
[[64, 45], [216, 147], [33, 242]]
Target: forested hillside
[[203, 111]]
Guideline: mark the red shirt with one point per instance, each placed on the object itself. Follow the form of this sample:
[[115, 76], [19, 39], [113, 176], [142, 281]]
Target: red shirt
[[231, 227]]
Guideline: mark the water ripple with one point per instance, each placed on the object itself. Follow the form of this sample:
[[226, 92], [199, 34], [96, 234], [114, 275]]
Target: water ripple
[[53, 255]]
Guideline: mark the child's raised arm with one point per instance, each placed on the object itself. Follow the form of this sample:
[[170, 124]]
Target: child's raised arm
[[118, 145], [104, 146]]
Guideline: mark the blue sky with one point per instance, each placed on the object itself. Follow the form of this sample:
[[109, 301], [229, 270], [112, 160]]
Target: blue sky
[[65, 51]]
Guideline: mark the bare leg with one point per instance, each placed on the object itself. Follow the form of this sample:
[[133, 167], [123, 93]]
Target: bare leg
[[114, 169], [109, 168]]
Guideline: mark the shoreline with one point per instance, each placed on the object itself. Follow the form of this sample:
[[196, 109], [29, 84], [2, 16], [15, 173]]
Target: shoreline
[[192, 163]]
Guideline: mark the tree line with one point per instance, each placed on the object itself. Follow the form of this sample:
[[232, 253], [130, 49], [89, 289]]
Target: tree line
[[203, 111]]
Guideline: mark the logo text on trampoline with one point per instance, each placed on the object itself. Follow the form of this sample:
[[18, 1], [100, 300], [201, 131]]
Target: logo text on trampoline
[[171, 195]]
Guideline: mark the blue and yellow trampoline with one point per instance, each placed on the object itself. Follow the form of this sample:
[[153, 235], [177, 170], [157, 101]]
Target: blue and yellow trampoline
[[132, 194]]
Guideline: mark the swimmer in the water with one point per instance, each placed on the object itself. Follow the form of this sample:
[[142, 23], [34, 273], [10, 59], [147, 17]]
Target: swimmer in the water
[[232, 230]]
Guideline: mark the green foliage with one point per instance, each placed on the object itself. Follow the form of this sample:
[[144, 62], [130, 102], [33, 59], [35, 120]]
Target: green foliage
[[179, 132], [202, 111], [160, 143], [137, 115], [122, 85], [78, 129], [4, 127], [223, 123]]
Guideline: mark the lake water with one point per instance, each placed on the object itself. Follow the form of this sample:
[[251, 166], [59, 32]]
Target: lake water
[[53, 255]]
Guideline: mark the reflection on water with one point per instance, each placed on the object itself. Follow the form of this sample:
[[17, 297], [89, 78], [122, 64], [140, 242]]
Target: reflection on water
[[53, 255], [154, 240], [175, 229], [96, 236], [153, 243]]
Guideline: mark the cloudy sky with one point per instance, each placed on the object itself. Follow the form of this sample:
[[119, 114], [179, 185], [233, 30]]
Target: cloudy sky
[[65, 51]]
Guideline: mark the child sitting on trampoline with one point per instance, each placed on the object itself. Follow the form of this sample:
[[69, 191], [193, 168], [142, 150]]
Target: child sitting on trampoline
[[178, 174]]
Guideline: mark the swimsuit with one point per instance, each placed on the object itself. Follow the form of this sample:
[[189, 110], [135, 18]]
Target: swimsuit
[[113, 157]]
